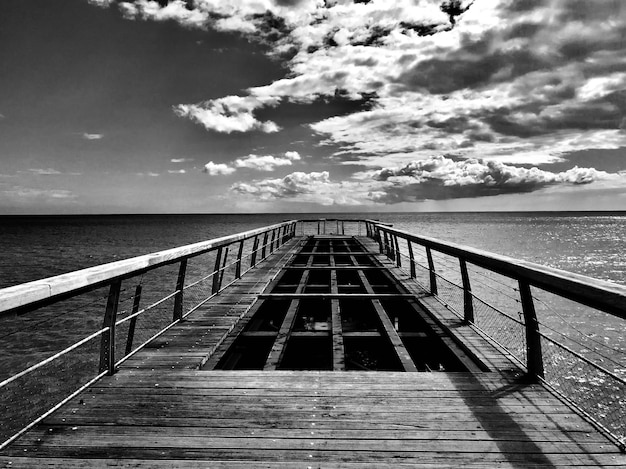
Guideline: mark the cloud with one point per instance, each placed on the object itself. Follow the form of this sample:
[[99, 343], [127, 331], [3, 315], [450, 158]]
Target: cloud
[[44, 171], [216, 169], [20, 193], [266, 162], [176, 171], [181, 160], [502, 80], [229, 114], [101, 3], [438, 178], [149, 174], [441, 178], [313, 187], [88, 136], [255, 162]]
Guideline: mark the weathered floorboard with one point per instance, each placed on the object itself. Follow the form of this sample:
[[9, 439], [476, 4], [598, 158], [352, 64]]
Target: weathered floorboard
[[162, 411]]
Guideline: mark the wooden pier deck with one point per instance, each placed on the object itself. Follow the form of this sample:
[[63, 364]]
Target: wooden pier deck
[[171, 406]]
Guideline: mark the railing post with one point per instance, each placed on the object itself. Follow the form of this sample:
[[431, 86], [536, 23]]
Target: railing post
[[468, 299], [387, 248], [216, 272], [264, 245], [397, 249], [180, 285], [223, 269], [133, 321], [255, 248], [238, 264], [318, 226], [433, 274], [107, 344], [534, 355], [411, 259], [379, 238], [273, 238]]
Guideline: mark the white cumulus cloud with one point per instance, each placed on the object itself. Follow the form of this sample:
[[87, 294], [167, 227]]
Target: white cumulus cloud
[[229, 114], [216, 169]]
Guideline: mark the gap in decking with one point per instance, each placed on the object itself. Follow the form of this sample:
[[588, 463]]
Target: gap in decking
[[320, 333]]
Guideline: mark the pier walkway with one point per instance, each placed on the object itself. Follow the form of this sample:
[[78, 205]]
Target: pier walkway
[[328, 353]]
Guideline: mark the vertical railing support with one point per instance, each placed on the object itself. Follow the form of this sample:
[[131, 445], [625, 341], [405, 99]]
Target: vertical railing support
[[216, 272], [107, 344], [238, 264], [534, 355], [133, 321], [433, 274], [379, 238], [255, 248], [411, 259], [386, 242], [397, 250], [468, 298], [223, 269], [180, 285], [273, 239], [318, 226], [264, 247]]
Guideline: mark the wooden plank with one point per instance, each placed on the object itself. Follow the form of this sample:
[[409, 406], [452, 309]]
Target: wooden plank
[[391, 333]]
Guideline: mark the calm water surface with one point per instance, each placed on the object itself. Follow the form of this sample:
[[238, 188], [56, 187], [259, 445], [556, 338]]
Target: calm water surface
[[36, 247]]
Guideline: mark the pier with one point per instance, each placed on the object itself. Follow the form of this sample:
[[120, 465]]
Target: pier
[[311, 343]]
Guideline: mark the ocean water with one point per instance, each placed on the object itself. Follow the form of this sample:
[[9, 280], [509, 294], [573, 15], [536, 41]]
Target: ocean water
[[591, 244], [31, 248]]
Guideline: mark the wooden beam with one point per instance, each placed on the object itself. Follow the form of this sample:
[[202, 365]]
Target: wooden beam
[[278, 348], [390, 331]]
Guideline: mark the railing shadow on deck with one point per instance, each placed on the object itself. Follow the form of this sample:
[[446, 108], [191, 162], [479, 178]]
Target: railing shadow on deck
[[105, 314], [528, 311]]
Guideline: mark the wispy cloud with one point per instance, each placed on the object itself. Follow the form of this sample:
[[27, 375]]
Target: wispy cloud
[[149, 174], [20, 193], [181, 160], [43, 171], [176, 171], [255, 162], [88, 136]]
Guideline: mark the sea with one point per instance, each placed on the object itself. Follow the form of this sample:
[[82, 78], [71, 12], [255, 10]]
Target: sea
[[34, 247]]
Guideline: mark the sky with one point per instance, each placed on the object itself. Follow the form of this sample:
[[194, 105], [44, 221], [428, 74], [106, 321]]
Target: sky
[[208, 106]]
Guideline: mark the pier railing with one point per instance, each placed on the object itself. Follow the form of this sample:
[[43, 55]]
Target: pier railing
[[550, 322], [61, 334]]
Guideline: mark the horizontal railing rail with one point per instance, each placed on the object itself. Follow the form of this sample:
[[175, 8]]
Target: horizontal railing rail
[[506, 313], [33, 294]]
